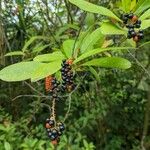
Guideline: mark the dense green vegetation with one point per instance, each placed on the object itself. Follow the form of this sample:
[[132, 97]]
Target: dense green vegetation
[[109, 108]]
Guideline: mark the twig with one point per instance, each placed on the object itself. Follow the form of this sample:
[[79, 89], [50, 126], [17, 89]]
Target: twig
[[38, 96], [46, 105], [146, 122], [31, 87], [81, 26], [142, 75], [70, 99], [48, 27], [69, 12], [47, 12], [146, 71], [53, 110]]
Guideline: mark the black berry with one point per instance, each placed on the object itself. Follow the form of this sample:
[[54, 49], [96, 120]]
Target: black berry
[[133, 33], [130, 16]]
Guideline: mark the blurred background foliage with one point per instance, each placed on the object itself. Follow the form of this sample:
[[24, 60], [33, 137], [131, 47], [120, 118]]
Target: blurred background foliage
[[110, 113]]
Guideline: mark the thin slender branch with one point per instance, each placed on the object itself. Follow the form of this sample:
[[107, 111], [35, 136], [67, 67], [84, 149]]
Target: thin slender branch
[[70, 99], [146, 122], [70, 19], [144, 69], [31, 87], [47, 12], [48, 27], [38, 96], [81, 26], [142, 75], [46, 105]]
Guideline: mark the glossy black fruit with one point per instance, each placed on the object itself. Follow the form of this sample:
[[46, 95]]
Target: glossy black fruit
[[130, 26], [54, 81], [52, 137], [64, 77], [125, 19], [137, 25], [133, 33], [59, 133], [48, 130], [130, 30], [57, 89], [141, 31], [129, 36], [141, 36], [51, 122], [126, 15], [130, 16], [70, 82], [55, 132], [47, 120], [138, 22], [55, 85], [49, 134], [61, 127], [66, 70], [67, 79]]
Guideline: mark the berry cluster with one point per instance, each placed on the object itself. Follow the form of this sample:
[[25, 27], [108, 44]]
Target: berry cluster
[[131, 21], [54, 130], [135, 35], [53, 87], [67, 75]]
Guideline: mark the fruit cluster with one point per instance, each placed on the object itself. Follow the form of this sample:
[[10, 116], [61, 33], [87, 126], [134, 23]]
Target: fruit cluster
[[67, 75], [53, 87], [131, 21], [54, 130]]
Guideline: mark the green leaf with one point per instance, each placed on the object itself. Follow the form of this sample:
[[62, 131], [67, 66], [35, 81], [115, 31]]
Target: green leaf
[[99, 50], [15, 53], [19, 71], [90, 19], [83, 36], [45, 70], [85, 143], [144, 44], [145, 24], [142, 5], [93, 71], [109, 28], [41, 144], [133, 5], [40, 48], [109, 62], [64, 28], [28, 43], [89, 7], [91, 39], [68, 46], [50, 57], [81, 39], [145, 15], [7, 146], [126, 5], [3, 128]]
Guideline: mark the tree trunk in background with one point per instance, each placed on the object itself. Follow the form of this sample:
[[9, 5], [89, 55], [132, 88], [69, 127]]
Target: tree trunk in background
[[2, 42]]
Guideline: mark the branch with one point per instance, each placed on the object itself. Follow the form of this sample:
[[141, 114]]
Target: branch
[[69, 12], [37, 96], [146, 122], [31, 87], [70, 99]]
